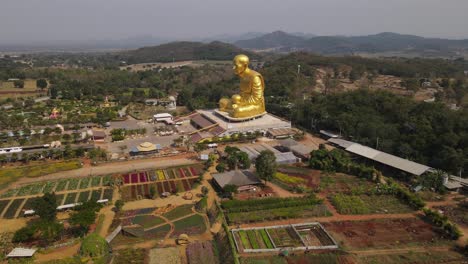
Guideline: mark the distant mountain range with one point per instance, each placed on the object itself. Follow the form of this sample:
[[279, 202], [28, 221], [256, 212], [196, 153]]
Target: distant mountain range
[[183, 50], [379, 43]]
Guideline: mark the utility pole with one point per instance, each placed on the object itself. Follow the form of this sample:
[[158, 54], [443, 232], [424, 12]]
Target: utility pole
[[298, 69], [377, 143]]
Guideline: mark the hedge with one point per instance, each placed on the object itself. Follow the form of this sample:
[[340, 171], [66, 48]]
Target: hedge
[[442, 222]]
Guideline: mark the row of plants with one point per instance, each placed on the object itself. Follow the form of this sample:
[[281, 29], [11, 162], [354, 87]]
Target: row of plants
[[233, 206], [318, 210], [441, 221], [349, 204]]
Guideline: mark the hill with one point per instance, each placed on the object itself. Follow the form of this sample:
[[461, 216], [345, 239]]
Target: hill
[[275, 39], [379, 43], [184, 50]]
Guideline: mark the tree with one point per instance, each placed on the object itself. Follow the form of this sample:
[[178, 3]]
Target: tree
[[221, 167], [118, 205], [230, 188], [152, 192], [266, 165], [84, 216], [41, 84], [46, 206], [53, 92], [18, 84]]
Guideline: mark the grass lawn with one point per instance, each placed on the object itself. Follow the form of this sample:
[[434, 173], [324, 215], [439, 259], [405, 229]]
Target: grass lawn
[[191, 225], [158, 233], [179, 212], [147, 221], [130, 255], [9, 175]]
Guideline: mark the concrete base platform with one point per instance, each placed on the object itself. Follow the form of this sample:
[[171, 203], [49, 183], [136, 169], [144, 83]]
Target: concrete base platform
[[226, 115], [261, 123]]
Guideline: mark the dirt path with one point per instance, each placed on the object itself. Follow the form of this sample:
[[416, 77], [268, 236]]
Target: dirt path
[[282, 192], [61, 253]]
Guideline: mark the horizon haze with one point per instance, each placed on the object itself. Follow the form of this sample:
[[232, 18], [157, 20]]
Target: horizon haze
[[31, 22]]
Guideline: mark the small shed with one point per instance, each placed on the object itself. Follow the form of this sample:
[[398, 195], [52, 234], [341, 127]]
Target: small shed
[[99, 135]]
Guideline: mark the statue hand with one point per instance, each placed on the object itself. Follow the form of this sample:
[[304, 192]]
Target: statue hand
[[236, 99]]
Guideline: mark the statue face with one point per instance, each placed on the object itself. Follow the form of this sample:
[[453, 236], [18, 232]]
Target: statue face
[[239, 67]]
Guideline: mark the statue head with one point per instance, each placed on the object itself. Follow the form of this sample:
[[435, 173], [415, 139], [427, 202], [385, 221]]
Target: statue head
[[241, 63]]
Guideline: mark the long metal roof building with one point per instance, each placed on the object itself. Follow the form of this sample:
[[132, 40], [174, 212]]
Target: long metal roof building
[[381, 157]]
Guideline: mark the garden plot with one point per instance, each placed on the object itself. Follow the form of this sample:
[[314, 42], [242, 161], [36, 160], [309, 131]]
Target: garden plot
[[276, 238], [239, 212], [297, 179], [192, 225], [13, 208], [343, 183], [3, 205], [457, 214], [384, 233], [201, 252], [369, 204]]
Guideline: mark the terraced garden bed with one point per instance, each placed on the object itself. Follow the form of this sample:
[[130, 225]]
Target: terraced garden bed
[[3, 204], [84, 183], [179, 212], [73, 184], [14, 206], [70, 198], [96, 181], [192, 225], [59, 198], [84, 196], [147, 221], [159, 232], [108, 194], [61, 185], [96, 195]]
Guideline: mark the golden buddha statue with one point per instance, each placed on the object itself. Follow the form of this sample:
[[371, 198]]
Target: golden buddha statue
[[250, 102]]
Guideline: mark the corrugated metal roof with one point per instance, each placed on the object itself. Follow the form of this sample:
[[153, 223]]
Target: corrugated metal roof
[[236, 177], [21, 252], [341, 142], [384, 158]]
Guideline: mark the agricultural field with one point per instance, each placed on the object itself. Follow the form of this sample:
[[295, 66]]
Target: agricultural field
[[343, 183], [184, 220], [169, 255], [457, 214], [58, 186], [129, 255], [63, 198], [369, 204], [275, 238], [326, 258], [140, 185], [384, 233], [192, 225], [238, 212], [433, 257], [9, 175], [296, 179], [201, 252]]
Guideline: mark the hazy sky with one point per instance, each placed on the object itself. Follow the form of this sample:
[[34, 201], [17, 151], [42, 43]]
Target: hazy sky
[[23, 21]]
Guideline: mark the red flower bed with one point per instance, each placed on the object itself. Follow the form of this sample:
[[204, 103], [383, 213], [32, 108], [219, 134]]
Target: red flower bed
[[126, 178], [134, 178], [146, 190], [186, 185], [173, 186], [160, 187], [166, 186], [193, 171], [143, 177], [182, 174]]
